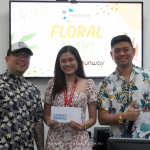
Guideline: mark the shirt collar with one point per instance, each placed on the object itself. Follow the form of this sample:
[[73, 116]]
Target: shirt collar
[[10, 75], [117, 75]]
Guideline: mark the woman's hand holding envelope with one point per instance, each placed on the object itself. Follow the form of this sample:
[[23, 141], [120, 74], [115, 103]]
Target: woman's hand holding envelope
[[51, 123], [77, 126]]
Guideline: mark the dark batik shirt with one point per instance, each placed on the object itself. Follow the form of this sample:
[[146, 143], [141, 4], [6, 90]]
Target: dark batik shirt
[[20, 108]]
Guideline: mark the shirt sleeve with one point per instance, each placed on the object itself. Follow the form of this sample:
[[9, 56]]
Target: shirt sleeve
[[39, 109], [103, 95], [48, 94], [91, 92]]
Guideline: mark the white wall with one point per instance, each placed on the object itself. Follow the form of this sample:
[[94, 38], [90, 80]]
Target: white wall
[[41, 83]]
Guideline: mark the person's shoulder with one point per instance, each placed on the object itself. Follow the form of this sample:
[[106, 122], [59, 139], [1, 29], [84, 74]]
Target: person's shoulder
[[3, 74], [87, 81], [30, 83], [33, 87], [136, 68], [51, 81], [108, 79], [143, 71], [81, 79], [90, 81], [146, 73]]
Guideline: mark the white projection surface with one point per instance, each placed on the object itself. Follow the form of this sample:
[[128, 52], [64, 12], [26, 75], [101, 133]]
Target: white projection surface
[[48, 26]]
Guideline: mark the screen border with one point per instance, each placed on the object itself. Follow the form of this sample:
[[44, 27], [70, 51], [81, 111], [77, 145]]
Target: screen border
[[75, 2]]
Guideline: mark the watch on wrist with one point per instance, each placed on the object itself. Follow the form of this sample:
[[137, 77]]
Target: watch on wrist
[[120, 120]]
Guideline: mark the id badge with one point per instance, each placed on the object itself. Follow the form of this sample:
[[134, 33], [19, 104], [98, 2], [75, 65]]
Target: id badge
[[67, 136]]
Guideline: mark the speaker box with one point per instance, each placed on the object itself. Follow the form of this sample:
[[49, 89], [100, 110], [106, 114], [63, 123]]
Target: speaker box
[[101, 134]]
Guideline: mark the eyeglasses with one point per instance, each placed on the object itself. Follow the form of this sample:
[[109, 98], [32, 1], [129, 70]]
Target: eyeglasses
[[19, 56]]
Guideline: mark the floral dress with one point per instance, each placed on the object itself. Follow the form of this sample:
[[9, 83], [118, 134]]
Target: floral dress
[[80, 139]]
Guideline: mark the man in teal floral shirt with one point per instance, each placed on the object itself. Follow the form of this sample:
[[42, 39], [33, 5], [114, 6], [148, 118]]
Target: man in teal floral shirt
[[127, 86]]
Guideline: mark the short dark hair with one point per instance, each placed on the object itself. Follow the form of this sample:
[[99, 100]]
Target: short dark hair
[[59, 76], [121, 38]]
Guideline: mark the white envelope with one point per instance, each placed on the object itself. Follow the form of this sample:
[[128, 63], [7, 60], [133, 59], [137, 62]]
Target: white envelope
[[66, 114]]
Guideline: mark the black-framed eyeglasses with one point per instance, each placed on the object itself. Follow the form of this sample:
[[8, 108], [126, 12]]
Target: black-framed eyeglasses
[[19, 56]]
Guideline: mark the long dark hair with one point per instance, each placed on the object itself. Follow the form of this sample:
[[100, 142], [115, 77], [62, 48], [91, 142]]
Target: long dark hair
[[59, 76]]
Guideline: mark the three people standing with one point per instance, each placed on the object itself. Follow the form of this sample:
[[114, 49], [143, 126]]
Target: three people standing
[[21, 112]]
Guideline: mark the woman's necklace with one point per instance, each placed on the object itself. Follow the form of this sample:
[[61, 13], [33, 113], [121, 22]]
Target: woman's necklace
[[70, 86]]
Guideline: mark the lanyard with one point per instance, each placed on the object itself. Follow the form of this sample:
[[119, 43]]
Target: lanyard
[[71, 94]]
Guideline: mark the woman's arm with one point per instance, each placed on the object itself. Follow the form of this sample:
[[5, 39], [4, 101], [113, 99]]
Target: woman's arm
[[90, 122], [47, 118], [47, 112], [92, 115]]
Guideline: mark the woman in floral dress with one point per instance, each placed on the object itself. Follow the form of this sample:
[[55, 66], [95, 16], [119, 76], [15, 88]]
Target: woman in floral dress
[[70, 88]]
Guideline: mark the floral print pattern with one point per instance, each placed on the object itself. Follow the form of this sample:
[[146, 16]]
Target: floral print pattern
[[115, 96], [20, 108], [80, 139]]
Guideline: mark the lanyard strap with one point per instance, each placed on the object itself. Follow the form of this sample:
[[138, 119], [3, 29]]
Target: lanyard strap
[[67, 103]]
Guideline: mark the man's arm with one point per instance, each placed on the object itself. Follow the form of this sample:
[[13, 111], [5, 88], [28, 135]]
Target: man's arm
[[39, 134], [105, 118]]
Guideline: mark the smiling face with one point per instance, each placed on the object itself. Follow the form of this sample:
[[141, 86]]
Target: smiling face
[[122, 53], [68, 63], [16, 65]]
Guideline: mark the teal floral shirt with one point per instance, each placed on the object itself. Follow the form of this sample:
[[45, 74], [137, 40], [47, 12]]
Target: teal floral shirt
[[116, 97]]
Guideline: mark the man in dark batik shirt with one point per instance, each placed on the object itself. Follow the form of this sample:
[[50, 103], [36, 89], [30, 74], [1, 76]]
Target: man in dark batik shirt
[[20, 104]]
